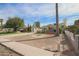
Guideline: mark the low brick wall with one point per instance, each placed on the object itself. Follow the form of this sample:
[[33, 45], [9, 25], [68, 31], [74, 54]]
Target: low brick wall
[[73, 41]]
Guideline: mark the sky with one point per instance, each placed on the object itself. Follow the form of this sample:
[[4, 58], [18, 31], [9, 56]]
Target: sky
[[42, 12]]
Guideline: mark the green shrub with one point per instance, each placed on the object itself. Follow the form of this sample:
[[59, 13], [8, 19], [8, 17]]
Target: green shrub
[[73, 28]]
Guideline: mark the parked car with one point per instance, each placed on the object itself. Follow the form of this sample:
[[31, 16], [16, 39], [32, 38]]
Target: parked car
[[22, 30]]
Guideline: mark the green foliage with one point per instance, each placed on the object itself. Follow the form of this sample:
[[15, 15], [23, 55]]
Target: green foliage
[[73, 28], [37, 24], [76, 21], [14, 23], [29, 28], [4, 33]]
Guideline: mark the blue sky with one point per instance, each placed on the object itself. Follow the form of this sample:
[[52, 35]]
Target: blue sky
[[43, 12]]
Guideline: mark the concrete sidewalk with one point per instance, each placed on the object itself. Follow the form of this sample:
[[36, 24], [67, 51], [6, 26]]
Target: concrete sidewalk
[[24, 49]]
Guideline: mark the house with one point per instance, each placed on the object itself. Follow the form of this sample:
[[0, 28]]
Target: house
[[36, 27]]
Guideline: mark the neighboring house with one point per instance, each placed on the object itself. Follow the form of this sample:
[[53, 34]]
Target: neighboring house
[[7, 30], [44, 29], [48, 29], [36, 27]]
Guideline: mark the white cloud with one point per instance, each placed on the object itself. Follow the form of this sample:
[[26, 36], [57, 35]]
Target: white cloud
[[35, 10], [40, 10], [68, 9]]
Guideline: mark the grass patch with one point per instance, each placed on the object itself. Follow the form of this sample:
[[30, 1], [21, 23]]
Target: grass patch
[[5, 33]]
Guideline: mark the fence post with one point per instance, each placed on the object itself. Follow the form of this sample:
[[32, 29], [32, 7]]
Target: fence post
[[77, 43], [74, 40]]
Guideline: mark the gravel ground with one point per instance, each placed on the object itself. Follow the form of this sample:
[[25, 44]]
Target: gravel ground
[[43, 43], [38, 40], [26, 37], [50, 44], [6, 52]]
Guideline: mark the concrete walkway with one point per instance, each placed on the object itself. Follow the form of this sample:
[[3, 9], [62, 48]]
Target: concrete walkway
[[23, 49]]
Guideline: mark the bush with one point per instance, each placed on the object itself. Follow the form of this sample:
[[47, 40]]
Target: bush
[[73, 28], [14, 23]]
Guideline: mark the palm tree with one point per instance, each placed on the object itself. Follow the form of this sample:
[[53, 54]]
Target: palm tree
[[57, 21]]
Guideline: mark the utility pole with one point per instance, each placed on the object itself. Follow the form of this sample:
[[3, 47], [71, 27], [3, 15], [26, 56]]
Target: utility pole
[[57, 21]]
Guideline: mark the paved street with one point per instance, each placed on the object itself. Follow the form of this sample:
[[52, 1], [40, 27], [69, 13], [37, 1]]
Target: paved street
[[37, 40], [26, 36], [44, 41]]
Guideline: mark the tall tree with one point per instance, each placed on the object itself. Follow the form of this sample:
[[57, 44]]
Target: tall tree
[[76, 22], [14, 23], [1, 23], [29, 28], [37, 24]]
